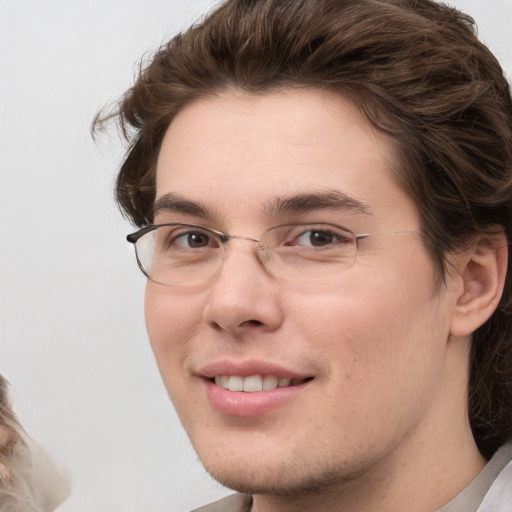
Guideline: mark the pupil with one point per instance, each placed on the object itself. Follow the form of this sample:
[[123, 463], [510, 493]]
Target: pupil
[[197, 240], [320, 238]]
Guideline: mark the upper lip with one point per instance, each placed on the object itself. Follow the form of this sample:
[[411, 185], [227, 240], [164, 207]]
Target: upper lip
[[248, 368]]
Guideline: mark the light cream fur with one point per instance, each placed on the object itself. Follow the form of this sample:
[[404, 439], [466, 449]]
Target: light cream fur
[[29, 480]]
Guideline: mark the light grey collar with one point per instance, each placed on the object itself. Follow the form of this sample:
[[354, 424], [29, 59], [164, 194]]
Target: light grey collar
[[472, 496]]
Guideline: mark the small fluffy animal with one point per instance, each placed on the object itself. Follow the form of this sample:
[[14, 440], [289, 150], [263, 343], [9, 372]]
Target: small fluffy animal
[[29, 480]]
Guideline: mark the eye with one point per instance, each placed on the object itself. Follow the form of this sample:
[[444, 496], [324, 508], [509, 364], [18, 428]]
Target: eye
[[317, 238], [320, 237], [192, 240], [180, 239]]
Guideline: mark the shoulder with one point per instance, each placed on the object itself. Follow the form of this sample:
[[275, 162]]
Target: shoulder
[[233, 503]]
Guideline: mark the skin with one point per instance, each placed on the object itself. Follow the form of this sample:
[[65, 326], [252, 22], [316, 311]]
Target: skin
[[383, 424]]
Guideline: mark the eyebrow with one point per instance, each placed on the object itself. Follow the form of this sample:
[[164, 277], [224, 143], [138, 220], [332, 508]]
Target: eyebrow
[[175, 203], [300, 203], [304, 203]]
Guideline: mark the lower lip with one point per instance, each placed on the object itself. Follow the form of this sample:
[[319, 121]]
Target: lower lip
[[245, 404]]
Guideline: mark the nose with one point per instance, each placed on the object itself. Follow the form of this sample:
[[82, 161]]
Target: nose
[[244, 297]]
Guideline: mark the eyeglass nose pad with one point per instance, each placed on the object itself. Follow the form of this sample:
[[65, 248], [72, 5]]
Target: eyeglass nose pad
[[262, 251], [265, 257], [261, 248]]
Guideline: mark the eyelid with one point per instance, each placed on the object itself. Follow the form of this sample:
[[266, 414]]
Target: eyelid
[[222, 237], [187, 225], [169, 220], [321, 226], [327, 228]]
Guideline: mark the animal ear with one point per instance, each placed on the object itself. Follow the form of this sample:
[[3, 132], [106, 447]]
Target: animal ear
[[483, 273]]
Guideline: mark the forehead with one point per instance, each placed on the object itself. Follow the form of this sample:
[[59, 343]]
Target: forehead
[[240, 151]]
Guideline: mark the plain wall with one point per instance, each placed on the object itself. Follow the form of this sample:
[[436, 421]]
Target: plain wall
[[72, 335]]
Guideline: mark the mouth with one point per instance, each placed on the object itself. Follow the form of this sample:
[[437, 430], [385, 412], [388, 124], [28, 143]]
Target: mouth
[[256, 383], [252, 388]]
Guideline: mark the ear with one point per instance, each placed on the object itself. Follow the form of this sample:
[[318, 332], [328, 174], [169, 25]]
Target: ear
[[483, 272]]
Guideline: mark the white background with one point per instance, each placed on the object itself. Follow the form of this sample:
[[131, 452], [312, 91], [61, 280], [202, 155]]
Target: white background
[[72, 336]]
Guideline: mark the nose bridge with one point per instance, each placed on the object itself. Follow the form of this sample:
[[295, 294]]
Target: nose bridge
[[230, 249], [243, 293], [240, 237]]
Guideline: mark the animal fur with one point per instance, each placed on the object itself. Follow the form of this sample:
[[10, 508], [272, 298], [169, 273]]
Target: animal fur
[[29, 481]]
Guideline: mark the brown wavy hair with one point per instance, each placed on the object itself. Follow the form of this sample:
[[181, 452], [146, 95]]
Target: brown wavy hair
[[418, 72]]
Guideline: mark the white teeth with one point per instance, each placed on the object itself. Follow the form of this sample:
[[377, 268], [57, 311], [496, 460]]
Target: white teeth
[[252, 383], [284, 382], [222, 381], [270, 382], [235, 383]]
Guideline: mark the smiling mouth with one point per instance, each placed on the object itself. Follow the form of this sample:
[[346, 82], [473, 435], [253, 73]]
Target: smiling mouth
[[255, 383]]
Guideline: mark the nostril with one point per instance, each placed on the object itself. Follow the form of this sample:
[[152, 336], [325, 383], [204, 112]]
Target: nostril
[[252, 322]]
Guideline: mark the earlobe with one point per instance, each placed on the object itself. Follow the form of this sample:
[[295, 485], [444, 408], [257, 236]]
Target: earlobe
[[482, 276]]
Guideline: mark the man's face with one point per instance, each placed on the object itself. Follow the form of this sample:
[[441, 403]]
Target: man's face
[[365, 349]]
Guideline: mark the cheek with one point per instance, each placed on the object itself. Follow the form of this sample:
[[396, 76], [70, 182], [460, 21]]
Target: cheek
[[172, 320], [376, 335], [380, 359]]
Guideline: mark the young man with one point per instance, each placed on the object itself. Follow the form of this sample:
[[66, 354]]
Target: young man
[[325, 195]]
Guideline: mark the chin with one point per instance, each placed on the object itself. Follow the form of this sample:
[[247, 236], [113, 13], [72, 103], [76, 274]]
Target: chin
[[292, 477], [29, 481]]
